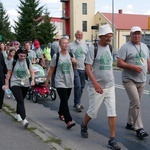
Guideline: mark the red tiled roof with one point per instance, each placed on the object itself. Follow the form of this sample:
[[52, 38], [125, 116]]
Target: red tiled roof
[[56, 19], [126, 21]]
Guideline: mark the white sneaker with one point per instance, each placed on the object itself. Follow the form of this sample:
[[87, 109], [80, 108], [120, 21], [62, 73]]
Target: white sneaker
[[25, 123], [18, 117]]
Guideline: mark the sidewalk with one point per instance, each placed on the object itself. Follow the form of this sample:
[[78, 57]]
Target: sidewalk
[[45, 123], [15, 137]]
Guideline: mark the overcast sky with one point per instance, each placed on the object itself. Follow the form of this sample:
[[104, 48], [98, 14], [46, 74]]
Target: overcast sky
[[54, 6]]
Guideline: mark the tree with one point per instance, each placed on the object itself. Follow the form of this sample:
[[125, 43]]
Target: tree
[[46, 29], [5, 28], [28, 20]]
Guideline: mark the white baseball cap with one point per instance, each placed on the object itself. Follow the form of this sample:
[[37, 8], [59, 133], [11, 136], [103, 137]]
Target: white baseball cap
[[135, 28], [105, 29]]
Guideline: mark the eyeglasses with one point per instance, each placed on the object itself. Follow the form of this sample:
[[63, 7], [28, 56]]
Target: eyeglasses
[[107, 37], [136, 33]]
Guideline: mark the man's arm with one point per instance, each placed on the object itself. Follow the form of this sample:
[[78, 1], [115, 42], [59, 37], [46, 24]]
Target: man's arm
[[122, 64], [97, 86]]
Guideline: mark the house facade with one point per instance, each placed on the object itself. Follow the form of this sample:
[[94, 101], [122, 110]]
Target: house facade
[[80, 15]]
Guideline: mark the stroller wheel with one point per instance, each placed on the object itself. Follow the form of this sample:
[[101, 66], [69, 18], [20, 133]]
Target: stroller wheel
[[34, 97], [28, 96], [53, 94]]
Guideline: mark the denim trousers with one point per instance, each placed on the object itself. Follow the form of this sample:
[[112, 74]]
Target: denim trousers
[[79, 84], [134, 91], [64, 94], [20, 94]]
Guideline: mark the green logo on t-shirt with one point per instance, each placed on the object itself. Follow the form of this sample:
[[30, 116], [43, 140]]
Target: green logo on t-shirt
[[22, 73], [105, 61], [79, 52], [137, 58], [66, 67]]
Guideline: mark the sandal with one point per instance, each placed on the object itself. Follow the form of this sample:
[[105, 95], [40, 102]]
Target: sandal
[[70, 124], [142, 133], [61, 117]]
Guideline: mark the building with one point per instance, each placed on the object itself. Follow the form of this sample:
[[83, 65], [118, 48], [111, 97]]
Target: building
[[123, 24], [80, 15]]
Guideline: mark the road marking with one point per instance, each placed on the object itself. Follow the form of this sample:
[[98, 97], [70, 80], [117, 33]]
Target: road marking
[[121, 87]]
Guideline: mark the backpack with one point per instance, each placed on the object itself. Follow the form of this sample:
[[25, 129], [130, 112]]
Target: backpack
[[95, 53], [96, 48], [54, 73]]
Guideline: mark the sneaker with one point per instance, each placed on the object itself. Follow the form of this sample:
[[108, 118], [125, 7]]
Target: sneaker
[[141, 133], [25, 123], [84, 132], [70, 124], [18, 117], [77, 108], [113, 145], [129, 127]]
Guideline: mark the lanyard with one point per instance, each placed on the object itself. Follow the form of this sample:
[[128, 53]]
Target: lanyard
[[139, 52]]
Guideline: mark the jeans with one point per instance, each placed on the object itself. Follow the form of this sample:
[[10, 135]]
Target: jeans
[[19, 94], [134, 91], [79, 84], [64, 94]]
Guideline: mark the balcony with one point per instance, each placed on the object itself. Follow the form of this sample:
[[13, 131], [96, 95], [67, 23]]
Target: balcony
[[64, 1], [65, 15]]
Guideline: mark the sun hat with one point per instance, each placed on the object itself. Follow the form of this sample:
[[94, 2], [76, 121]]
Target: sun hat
[[105, 29], [135, 28]]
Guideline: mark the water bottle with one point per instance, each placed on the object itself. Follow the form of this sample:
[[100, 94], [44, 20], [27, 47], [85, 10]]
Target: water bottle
[[7, 91]]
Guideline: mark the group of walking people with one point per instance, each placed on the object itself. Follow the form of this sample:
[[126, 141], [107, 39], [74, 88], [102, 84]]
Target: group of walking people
[[68, 66]]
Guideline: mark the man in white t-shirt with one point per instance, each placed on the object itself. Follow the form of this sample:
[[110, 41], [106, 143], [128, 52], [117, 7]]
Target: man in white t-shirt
[[101, 85]]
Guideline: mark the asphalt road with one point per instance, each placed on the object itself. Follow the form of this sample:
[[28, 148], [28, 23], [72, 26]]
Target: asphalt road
[[100, 124]]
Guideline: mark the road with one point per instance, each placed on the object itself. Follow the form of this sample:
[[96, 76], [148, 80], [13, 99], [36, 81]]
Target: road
[[100, 125]]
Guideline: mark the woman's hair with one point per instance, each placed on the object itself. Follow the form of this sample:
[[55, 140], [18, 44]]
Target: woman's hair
[[62, 39], [11, 49], [19, 51]]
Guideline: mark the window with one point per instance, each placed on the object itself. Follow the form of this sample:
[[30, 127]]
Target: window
[[84, 26], [84, 8]]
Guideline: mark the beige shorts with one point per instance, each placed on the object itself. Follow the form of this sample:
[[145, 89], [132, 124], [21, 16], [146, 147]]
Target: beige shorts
[[96, 99]]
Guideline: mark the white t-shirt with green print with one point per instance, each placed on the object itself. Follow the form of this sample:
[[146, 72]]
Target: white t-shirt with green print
[[64, 77], [20, 72], [132, 54], [101, 66], [31, 55], [80, 51]]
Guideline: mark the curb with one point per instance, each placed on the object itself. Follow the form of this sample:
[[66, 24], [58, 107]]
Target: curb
[[54, 142]]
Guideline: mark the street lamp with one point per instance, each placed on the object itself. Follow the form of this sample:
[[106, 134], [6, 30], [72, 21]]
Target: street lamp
[[113, 23]]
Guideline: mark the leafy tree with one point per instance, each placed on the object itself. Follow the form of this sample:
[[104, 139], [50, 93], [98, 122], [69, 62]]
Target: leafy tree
[[5, 28], [46, 29], [28, 20]]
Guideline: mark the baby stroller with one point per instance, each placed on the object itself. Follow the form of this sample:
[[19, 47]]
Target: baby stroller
[[39, 90]]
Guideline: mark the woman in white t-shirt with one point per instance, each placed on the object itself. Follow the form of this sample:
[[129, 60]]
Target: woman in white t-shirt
[[19, 74], [64, 80]]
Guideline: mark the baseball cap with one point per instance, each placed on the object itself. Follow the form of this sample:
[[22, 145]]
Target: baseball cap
[[36, 44], [135, 28], [105, 29]]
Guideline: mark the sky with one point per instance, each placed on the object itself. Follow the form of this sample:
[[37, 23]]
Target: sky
[[54, 7]]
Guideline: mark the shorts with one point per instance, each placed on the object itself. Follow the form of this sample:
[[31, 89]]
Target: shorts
[[96, 99]]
